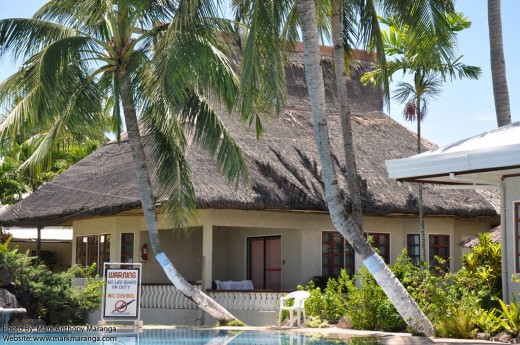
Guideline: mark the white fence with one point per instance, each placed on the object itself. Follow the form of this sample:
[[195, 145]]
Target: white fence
[[168, 297]]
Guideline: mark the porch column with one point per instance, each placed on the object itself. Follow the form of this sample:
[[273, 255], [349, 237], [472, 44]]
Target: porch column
[[38, 241], [504, 237], [207, 255]]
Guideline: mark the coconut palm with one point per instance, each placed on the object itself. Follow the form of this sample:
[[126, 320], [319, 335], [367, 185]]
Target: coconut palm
[[498, 64], [429, 65], [419, 13], [16, 180], [164, 60], [404, 304]]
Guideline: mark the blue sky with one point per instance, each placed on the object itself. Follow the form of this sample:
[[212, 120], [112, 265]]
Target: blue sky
[[464, 108]]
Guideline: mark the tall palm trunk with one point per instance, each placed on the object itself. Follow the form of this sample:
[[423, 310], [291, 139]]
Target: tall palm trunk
[[420, 203], [395, 291], [345, 116], [498, 64], [147, 200]]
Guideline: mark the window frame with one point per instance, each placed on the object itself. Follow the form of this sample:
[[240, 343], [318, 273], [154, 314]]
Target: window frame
[[122, 253], [96, 249], [415, 258], [348, 254], [448, 246], [376, 244]]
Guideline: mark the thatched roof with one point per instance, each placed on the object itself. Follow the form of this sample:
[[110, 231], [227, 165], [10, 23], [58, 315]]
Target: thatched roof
[[471, 242], [283, 166]]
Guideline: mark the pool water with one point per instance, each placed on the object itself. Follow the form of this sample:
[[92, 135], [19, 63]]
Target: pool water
[[177, 336]]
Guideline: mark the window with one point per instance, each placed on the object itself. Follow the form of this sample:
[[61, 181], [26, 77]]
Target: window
[[382, 243], [127, 247], [517, 235], [336, 254], [93, 249], [439, 246], [414, 248]]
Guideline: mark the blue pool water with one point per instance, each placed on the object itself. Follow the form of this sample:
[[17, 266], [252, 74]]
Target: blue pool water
[[182, 336]]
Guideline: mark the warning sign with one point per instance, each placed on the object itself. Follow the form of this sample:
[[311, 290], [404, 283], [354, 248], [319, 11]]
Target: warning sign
[[121, 298]]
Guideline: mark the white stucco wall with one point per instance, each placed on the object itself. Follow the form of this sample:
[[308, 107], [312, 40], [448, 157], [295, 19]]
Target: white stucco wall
[[185, 252], [300, 233]]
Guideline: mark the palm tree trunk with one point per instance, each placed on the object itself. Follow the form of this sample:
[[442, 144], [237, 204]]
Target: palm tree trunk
[[395, 291], [345, 116], [148, 202], [498, 64], [420, 204]]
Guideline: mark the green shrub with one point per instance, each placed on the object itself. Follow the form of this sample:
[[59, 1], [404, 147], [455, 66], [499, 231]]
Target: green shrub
[[484, 263], [457, 323], [328, 304], [388, 317], [446, 298], [316, 322], [315, 304], [490, 322], [49, 296], [511, 316], [363, 302]]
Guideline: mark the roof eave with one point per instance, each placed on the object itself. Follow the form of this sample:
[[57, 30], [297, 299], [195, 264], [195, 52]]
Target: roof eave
[[427, 165]]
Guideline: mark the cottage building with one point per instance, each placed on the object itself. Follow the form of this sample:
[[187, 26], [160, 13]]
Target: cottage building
[[274, 232]]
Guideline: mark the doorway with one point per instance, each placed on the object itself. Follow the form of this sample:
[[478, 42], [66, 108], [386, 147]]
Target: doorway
[[264, 261]]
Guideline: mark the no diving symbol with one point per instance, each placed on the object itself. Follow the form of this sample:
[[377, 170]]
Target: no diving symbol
[[121, 306]]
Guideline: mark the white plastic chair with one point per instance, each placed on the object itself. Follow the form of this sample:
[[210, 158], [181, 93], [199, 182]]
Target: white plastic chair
[[298, 306]]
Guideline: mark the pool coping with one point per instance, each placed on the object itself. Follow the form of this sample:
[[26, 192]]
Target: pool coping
[[386, 338]]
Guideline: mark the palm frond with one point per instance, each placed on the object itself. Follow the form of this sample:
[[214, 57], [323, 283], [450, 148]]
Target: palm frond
[[370, 36], [262, 68], [168, 148], [210, 134], [22, 37]]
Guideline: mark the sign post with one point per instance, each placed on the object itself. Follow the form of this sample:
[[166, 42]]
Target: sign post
[[121, 297]]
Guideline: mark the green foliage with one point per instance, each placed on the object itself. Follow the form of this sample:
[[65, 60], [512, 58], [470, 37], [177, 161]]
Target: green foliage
[[49, 296], [459, 321], [458, 304], [511, 316], [388, 317], [363, 302], [16, 179], [329, 304], [368, 307], [483, 264], [314, 321], [489, 321]]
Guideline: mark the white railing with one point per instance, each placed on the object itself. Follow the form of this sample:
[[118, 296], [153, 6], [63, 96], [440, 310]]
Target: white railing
[[168, 297], [257, 301], [164, 296]]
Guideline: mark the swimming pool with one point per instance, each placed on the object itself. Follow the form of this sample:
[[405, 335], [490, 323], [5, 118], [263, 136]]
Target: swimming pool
[[176, 336]]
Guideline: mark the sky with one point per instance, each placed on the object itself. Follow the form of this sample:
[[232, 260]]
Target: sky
[[464, 108]]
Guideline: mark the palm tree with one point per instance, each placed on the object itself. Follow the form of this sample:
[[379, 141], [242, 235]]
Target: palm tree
[[419, 13], [498, 64], [406, 307], [430, 65], [339, 28], [163, 59]]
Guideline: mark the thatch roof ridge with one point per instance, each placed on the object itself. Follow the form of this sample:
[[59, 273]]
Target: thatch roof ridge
[[284, 168]]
